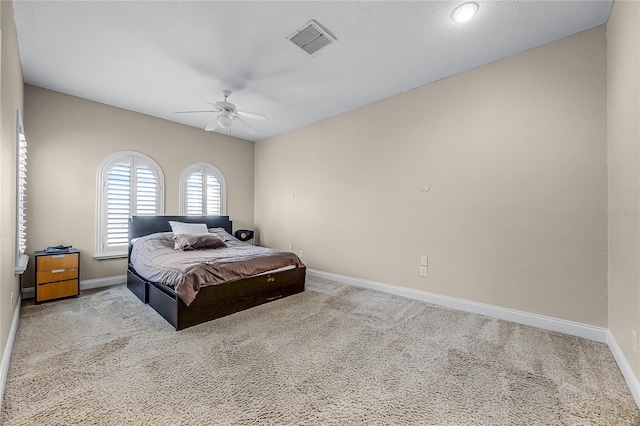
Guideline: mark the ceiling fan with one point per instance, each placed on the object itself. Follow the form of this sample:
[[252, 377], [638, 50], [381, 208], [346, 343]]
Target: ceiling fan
[[228, 116]]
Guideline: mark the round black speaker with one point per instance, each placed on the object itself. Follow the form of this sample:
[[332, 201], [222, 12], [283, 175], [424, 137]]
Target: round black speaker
[[244, 234]]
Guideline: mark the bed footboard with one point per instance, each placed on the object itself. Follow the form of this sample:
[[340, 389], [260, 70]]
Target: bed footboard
[[217, 301]]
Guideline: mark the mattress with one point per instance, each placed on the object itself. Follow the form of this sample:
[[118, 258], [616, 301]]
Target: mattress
[[155, 259]]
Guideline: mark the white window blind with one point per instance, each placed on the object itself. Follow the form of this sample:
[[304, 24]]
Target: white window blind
[[131, 185], [202, 190]]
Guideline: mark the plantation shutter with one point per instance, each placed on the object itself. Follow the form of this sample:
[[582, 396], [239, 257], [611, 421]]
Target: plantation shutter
[[118, 204], [22, 194], [202, 190], [203, 193], [129, 183], [132, 188], [146, 191], [194, 194], [214, 195]]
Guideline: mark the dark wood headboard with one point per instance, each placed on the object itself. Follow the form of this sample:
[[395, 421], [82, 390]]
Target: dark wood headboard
[[139, 226]]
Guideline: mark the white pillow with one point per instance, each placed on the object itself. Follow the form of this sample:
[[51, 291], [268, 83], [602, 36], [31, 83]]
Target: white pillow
[[188, 228]]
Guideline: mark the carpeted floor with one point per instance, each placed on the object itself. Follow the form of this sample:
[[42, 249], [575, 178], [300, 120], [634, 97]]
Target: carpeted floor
[[332, 355]]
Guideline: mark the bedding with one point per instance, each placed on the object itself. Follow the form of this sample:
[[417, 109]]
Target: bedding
[[155, 259]]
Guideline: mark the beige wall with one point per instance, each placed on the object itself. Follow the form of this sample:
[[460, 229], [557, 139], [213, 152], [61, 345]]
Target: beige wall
[[11, 100], [623, 103], [69, 137], [515, 155]]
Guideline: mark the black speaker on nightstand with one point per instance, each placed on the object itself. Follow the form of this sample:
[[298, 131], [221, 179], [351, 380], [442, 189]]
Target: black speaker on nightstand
[[244, 234]]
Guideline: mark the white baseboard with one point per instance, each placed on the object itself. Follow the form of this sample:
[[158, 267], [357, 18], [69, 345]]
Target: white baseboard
[[599, 334], [103, 282], [8, 348], [627, 372], [30, 293]]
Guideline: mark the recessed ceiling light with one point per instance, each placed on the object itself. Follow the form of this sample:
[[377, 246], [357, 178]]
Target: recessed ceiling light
[[464, 12]]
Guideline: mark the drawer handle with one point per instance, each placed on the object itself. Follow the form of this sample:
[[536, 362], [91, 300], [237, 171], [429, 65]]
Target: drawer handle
[[270, 279], [58, 256], [57, 271]]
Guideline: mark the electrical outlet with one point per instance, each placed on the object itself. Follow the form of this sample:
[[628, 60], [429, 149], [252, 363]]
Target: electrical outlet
[[301, 254], [634, 342], [12, 295], [290, 246], [424, 260], [423, 271]]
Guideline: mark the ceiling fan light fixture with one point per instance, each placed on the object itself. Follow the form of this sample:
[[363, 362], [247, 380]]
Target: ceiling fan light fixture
[[464, 12], [227, 116], [224, 121]]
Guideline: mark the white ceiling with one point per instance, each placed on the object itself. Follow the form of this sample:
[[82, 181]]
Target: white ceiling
[[160, 57]]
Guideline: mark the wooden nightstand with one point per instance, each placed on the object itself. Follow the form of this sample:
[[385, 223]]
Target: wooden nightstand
[[57, 275]]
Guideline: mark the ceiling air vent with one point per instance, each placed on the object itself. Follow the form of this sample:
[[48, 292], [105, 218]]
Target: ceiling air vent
[[312, 37]]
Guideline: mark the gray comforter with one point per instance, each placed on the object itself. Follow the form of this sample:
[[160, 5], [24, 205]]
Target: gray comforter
[[155, 259]]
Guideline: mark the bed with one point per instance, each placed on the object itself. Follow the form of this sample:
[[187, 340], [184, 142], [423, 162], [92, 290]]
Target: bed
[[211, 301]]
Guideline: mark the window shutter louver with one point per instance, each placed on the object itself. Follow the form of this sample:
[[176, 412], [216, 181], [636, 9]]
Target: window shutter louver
[[214, 200], [22, 195], [146, 191], [118, 204], [194, 194]]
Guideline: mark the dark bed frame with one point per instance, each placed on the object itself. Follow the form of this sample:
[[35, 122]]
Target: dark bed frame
[[212, 301]]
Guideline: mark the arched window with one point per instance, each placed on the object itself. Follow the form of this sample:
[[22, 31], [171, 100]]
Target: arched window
[[202, 191], [129, 183]]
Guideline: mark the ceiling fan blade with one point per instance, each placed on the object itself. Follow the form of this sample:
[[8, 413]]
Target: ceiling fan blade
[[252, 115], [212, 126], [190, 112], [244, 125]]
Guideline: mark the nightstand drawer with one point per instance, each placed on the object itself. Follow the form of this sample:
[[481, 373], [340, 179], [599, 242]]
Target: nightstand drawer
[[57, 261], [56, 290], [61, 274]]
